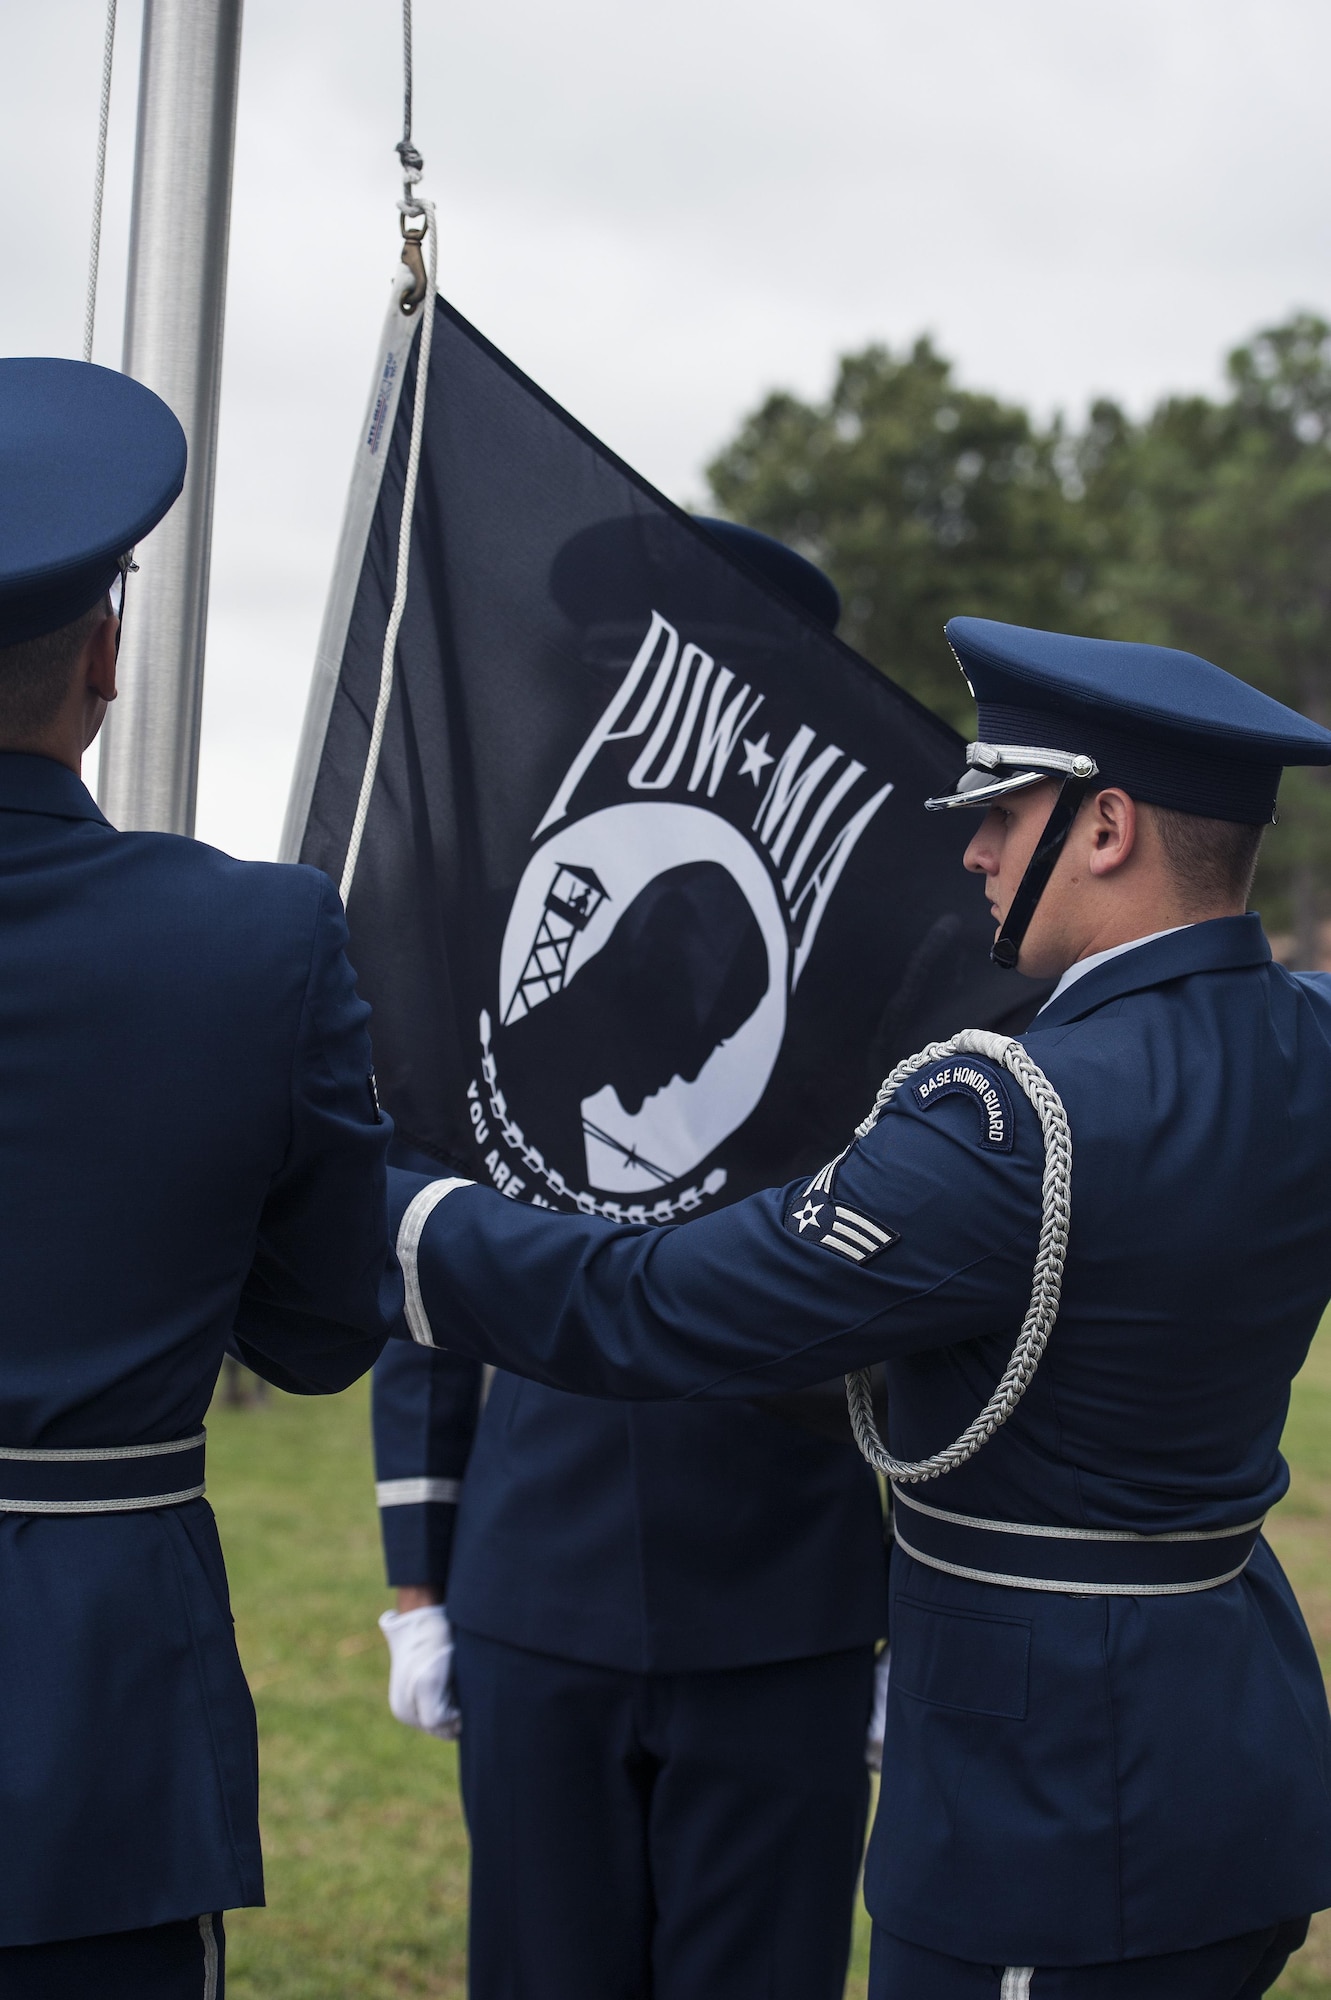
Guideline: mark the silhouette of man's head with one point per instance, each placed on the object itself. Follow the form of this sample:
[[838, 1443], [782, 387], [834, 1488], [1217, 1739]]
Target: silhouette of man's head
[[681, 972]]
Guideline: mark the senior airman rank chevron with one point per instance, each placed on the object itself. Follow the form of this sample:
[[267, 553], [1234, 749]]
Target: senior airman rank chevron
[[818, 1219]]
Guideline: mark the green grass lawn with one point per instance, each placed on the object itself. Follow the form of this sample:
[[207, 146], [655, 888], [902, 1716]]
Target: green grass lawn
[[1300, 1533], [363, 1835]]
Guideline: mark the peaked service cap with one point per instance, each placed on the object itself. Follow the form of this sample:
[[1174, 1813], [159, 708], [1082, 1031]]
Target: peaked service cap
[[613, 568], [812, 590], [90, 460], [1169, 727]]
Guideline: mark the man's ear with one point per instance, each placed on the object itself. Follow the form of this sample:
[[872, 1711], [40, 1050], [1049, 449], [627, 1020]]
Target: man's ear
[[99, 671], [1111, 827]]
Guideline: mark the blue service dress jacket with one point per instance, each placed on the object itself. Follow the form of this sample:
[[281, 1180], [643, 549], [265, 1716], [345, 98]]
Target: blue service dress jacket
[[648, 1537], [1073, 1778], [190, 1151]]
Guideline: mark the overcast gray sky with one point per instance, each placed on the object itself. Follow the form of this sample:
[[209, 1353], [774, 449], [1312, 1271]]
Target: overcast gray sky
[[662, 212]]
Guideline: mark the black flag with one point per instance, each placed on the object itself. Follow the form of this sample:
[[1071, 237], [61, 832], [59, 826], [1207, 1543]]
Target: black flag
[[647, 902]]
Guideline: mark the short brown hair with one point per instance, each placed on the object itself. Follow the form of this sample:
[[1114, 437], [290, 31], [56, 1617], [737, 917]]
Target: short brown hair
[[1213, 860], [35, 676]]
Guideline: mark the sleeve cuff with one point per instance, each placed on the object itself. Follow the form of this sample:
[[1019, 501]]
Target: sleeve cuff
[[418, 1541], [410, 1229]]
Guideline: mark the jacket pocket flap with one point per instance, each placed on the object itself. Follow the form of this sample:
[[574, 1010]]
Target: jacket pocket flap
[[958, 1659]]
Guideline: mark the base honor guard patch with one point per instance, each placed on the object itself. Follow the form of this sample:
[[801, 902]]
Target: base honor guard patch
[[962, 1076], [816, 1218]]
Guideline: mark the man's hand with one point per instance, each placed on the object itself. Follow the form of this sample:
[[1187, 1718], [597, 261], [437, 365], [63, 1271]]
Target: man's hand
[[420, 1647], [873, 1742]]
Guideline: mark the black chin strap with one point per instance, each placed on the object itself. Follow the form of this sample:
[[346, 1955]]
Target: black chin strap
[[1007, 945]]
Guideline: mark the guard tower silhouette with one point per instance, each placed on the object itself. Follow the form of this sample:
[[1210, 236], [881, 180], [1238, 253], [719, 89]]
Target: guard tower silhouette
[[570, 903]]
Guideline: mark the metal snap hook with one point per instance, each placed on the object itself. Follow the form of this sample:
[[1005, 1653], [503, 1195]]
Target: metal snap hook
[[412, 239]]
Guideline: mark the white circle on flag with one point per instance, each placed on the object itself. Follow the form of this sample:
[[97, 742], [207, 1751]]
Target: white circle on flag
[[623, 848]]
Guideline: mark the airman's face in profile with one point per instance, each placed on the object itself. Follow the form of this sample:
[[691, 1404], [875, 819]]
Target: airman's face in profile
[[1007, 838], [1111, 882], [1001, 850]]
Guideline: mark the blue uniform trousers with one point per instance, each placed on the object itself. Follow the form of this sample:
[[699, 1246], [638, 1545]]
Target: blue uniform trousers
[[676, 1835], [1240, 1968], [180, 1961]]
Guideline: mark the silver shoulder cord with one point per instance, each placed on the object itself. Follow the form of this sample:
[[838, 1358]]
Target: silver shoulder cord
[[1046, 1287]]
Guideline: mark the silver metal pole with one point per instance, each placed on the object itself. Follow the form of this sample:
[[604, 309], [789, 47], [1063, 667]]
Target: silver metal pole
[[173, 342]]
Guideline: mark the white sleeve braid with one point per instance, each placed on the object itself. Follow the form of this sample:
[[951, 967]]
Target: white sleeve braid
[[417, 1492], [409, 1235]]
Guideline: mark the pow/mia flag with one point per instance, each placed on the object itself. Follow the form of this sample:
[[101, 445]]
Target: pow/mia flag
[[647, 902]]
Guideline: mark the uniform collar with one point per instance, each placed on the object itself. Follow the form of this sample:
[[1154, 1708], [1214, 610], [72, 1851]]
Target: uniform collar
[[40, 785], [1222, 944], [1085, 965]]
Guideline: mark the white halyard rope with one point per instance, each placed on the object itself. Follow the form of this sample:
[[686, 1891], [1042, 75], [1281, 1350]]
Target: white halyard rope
[[99, 182], [403, 560], [1047, 1284]]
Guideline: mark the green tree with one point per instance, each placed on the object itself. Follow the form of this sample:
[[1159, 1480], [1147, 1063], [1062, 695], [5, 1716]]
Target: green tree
[[1207, 526], [1210, 526], [920, 499]]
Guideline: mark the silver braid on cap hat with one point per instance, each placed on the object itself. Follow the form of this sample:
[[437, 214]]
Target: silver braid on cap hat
[[1046, 1287]]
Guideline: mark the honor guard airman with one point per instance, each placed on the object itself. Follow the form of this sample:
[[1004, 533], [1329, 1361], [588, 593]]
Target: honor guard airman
[[661, 1629], [190, 1153], [1108, 1749]]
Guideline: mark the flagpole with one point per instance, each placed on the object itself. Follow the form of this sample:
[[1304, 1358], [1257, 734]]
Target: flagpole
[[174, 311]]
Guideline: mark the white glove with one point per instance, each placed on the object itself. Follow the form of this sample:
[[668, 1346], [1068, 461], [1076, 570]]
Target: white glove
[[420, 1647], [873, 1742]]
